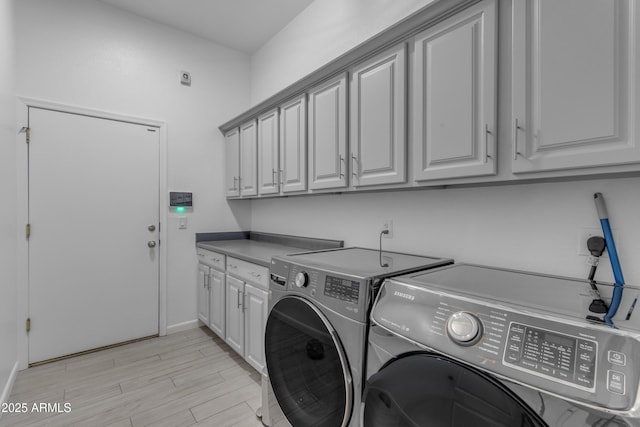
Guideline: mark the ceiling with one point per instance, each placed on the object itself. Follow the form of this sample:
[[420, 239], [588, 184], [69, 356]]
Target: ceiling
[[244, 25]]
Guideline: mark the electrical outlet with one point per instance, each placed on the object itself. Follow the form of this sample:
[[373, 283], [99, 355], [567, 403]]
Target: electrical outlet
[[388, 225], [583, 235]]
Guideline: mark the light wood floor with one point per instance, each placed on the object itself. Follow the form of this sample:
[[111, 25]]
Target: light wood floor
[[190, 378]]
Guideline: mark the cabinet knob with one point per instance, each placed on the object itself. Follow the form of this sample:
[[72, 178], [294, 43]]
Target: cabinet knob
[[151, 243]]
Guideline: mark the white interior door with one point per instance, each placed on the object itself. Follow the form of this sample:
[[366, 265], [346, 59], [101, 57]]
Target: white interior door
[[93, 249]]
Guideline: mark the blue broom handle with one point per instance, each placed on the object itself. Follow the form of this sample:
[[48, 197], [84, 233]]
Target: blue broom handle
[[613, 256]]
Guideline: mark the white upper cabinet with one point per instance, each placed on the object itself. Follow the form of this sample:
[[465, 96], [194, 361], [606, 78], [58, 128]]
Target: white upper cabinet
[[268, 153], [575, 84], [232, 166], [293, 145], [249, 159], [454, 96], [378, 121], [328, 135]]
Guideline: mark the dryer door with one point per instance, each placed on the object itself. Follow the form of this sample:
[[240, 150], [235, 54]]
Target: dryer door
[[425, 389], [307, 365]]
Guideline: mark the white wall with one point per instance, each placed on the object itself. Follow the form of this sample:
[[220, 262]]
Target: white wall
[[532, 227], [89, 54], [8, 231], [322, 32]]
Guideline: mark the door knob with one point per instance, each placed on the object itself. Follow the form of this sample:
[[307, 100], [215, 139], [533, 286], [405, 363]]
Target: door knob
[[151, 243], [151, 227]]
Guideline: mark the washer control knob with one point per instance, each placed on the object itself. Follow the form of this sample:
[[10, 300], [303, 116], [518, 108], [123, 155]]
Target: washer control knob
[[302, 279], [464, 328]]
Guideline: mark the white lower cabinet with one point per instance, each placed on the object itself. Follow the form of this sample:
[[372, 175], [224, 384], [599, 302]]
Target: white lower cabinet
[[246, 310], [203, 293], [235, 314], [255, 319], [217, 302], [211, 291]]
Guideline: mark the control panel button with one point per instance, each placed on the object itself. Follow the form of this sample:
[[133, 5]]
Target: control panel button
[[464, 328], [617, 358], [615, 382], [302, 279]]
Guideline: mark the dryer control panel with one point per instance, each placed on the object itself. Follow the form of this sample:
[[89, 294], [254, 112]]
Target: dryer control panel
[[552, 354], [347, 295], [580, 361]]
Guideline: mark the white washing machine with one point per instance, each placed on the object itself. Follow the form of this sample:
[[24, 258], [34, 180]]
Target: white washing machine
[[467, 345], [315, 339]]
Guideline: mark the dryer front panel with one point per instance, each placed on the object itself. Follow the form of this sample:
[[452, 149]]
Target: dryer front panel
[[426, 389], [307, 365]]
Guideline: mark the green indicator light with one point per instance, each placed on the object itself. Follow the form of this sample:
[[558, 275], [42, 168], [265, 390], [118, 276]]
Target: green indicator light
[[180, 209]]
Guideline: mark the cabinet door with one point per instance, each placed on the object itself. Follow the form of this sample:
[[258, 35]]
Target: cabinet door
[[268, 153], [454, 101], [378, 121], [217, 302], [234, 315], [249, 159], [203, 293], [293, 145], [255, 306], [574, 86], [328, 135], [232, 152]]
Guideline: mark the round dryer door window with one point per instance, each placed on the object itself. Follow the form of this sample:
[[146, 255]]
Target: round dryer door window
[[425, 389], [307, 365]]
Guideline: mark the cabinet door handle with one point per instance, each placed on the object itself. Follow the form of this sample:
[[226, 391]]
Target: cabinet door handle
[[487, 132], [273, 177], [354, 165], [235, 179], [239, 293], [281, 176], [515, 140], [244, 305], [340, 174]]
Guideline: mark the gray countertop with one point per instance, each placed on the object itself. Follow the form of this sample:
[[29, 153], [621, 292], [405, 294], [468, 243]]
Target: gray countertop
[[250, 250], [260, 247]]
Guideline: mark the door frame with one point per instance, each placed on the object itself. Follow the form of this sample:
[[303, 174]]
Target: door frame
[[22, 209]]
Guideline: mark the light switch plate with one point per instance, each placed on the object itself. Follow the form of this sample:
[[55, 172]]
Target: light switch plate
[[182, 223]]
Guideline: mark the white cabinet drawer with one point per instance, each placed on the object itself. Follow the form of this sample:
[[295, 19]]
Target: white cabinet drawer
[[249, 272], [210, 258]]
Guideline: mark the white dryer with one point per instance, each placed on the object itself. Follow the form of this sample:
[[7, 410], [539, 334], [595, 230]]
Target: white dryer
[[467, 345]]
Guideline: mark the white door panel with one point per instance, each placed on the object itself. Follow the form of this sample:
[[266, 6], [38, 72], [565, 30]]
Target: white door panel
[[93, 193]]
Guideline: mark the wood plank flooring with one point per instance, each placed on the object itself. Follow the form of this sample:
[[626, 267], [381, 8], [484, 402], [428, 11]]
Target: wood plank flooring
[[190, 378]]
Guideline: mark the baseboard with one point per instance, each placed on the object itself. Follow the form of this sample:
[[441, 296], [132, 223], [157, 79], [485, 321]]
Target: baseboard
[[184, 326], [6, 392]]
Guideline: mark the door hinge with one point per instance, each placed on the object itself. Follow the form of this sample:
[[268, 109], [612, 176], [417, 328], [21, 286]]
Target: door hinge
[[28, 230], [28, 325], [27, 131]]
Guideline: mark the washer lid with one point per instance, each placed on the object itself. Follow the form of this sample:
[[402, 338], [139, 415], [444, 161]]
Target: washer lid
[[364, 263], [564, 296]]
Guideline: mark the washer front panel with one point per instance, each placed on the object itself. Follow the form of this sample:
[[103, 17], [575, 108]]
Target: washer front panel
[[586, 363]]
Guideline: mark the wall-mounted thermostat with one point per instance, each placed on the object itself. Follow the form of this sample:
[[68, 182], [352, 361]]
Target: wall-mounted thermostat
[[180, 200], [185, 78]]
